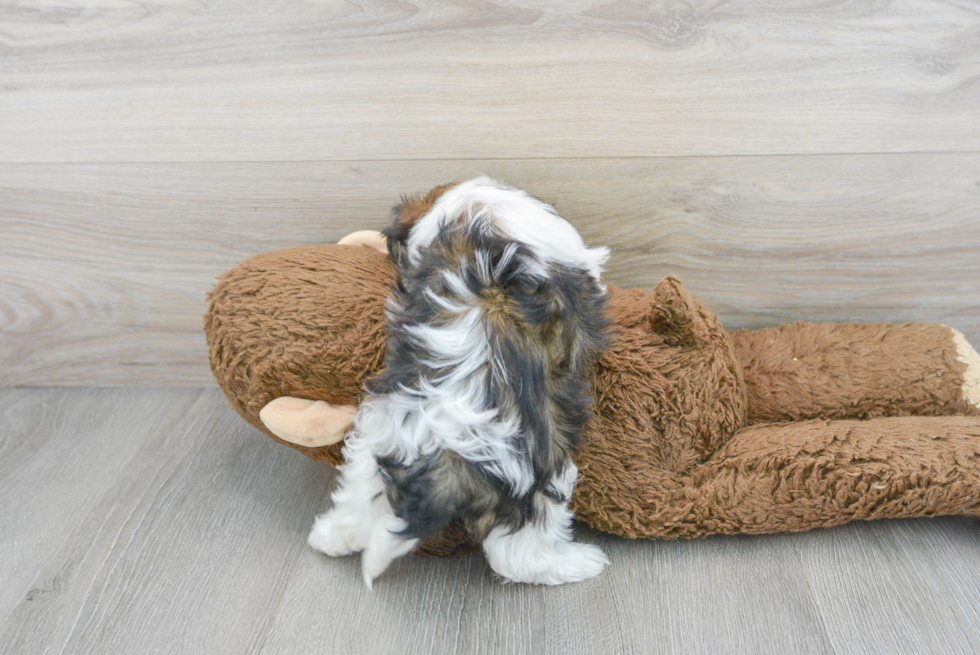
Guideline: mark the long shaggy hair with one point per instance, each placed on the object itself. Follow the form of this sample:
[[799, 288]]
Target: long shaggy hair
[[494, 321]]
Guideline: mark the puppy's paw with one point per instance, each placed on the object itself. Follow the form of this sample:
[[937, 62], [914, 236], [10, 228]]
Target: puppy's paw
[[576, 562], [334, 538], [566, 562]]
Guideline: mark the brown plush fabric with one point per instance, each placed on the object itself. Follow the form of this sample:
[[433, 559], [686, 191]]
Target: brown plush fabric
[[669, 390], [668, 452], [788, 477], [851, 370], [303, 322]]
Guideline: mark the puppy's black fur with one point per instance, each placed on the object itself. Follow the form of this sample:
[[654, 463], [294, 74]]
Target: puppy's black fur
[[543, 331]]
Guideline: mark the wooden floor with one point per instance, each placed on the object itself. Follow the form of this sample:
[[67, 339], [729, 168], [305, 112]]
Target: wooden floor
[[156, 521]]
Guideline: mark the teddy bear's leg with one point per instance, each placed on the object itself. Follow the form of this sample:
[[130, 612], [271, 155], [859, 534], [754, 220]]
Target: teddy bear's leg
[[358, 504], [542, 552], [798, 476], [789, 477], [857, 370]]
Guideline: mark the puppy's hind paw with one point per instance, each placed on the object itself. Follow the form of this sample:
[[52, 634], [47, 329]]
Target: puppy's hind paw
[[576, 562], [565, 562], [331, 538], [383, 547]]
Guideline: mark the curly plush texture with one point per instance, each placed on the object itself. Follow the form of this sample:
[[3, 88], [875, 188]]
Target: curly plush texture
[[802, 371], [695, 430], [301, 322]]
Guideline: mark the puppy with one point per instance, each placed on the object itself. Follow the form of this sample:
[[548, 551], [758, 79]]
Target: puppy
[[493, 323]]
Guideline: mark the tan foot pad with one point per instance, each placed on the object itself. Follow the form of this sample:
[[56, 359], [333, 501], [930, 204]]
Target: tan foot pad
[[971, 376]]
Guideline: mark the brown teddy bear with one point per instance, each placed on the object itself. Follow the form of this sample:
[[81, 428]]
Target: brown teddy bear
[[695, 430]]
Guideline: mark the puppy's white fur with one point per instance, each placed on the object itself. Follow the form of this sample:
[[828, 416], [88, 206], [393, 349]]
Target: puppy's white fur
[[449, 414], [543, 552], [516, 215]]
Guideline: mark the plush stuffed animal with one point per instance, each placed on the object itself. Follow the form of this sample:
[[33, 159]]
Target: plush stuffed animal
[[695, 430]]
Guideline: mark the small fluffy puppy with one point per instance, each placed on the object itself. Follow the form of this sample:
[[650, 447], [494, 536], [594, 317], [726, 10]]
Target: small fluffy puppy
[[493, 323]]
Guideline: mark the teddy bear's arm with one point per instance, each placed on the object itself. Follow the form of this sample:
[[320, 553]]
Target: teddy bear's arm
[[857, 370]]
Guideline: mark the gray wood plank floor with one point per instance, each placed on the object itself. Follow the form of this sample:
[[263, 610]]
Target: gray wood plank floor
[[156, 521]]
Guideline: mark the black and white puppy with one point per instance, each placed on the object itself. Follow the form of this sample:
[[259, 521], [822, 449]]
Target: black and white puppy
[[493, 324]]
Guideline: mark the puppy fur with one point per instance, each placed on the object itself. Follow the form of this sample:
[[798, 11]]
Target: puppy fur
[[494, 320]]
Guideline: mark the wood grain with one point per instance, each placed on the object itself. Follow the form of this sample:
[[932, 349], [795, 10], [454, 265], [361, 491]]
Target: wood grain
[[717, 595], [791, 160], [189, 549], [191, 539], [443, 79], [873, 570], [59, 454], [105, 267]]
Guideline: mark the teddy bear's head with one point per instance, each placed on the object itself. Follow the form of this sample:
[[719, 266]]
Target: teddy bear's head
[[305, 322]]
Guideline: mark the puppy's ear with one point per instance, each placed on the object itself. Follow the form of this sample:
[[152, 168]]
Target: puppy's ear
[[407, 214], [396, 235]]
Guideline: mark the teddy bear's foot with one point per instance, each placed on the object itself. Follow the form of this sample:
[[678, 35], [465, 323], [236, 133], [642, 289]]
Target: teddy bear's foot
[[337, 536], [971, 376]]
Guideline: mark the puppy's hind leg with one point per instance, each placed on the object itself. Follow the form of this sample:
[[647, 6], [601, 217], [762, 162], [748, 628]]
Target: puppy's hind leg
[[358, 504], [425, 496], [542, 551]]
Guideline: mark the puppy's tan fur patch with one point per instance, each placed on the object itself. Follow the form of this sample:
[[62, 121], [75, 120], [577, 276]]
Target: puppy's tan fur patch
[[414, 208]]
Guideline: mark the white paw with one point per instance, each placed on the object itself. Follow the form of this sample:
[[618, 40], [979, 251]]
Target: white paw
[[568, 562], [335, 538], [580, 562]]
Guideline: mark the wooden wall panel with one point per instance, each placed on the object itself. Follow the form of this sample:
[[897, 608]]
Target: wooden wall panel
[[382, 80], [104, 267]]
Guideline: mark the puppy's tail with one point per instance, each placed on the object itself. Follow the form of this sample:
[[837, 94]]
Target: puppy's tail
[[385, 545]]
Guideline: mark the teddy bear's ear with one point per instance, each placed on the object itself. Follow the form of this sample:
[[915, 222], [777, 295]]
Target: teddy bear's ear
[[370, 238], [675, 315], [310, 423]]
